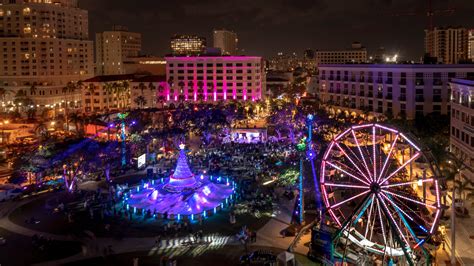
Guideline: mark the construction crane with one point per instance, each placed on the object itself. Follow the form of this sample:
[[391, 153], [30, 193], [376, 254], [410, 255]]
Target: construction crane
[[430, 13]]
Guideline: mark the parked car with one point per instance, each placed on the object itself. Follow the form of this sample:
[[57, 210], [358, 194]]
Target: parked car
[[9, 194]]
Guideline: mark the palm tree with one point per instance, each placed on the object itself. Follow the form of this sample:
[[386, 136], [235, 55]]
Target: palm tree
[[140, 101], [91, 89], [141, 87], [3, 94], [109, 90], [159, 95], [78, 122]]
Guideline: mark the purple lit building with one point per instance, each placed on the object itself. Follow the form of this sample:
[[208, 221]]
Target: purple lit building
[[214, 78]]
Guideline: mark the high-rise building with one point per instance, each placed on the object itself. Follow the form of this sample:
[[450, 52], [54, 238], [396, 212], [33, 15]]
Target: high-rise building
[[114, 47], [462, 124], [44, 45], [356, 54], [471, 45], [214, 78], [188, 45], [396, 90], [226, 41], [449, 45]]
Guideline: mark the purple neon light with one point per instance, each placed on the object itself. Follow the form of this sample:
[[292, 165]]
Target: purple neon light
[[342, 134], [361, 154], [437, 194], [347, 173], [370, 215], [344, 185], [355, 165], [331, 212], [387, 128], [394, 222], [396, 206], [409, 141], [388, 157], [406, 183], [406, 198], [400, 168], [373, 145], [381, 222], [349, 199], [435, 220], [361, 126]]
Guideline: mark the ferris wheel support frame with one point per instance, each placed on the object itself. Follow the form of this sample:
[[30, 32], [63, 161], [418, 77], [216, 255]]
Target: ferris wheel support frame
[[363, 205]]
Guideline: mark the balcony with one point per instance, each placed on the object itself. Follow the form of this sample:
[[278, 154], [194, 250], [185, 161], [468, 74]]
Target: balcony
[[362, 93], [389, 81], [437, 82], [403, 82], [419, 98], [370, 80], [419, 82], [323, 78], [331, 90], [402, 98], [338, 91], [362, 79], [353, 92], [353, 79], [380, 95], [338, 78], [389, 96], [331, 78], [370, 94], [379, 80], [345, 92], [346, 79], [380, 110], [437, 98]]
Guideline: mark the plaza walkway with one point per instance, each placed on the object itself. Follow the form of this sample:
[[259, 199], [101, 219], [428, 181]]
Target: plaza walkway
[[267, 236]]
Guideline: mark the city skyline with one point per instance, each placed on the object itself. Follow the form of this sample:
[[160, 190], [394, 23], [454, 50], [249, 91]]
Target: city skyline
[[294, 26]]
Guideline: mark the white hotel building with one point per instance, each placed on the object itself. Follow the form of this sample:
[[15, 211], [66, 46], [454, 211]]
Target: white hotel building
[[398, 90], [44, 44], [462, 123], [215, 78]]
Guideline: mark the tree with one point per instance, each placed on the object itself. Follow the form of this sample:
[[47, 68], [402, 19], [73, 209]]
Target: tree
[[141, 87], [140, 101], [109, 89], [91, 90]]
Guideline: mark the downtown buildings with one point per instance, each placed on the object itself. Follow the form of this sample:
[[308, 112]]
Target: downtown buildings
[[226, 41], [462, 124], [44, 46], [113, 48], [190, 79], [393, 90], [182, 45], [215, 78], [449, 45], [356, 54]]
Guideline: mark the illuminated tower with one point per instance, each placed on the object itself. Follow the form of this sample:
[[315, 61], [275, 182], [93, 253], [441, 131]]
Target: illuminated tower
[[182, 177]]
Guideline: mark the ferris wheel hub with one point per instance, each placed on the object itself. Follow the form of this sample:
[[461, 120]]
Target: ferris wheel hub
[[375, 187]]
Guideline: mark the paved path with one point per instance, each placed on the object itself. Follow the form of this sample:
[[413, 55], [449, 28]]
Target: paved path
[[268, 235]]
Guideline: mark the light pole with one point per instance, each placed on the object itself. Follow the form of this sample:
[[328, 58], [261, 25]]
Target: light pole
[[453, 222]]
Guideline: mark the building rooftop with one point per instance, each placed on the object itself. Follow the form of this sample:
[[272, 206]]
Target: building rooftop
[[152, 78], [231, 57], [109, 78], [363, 65]]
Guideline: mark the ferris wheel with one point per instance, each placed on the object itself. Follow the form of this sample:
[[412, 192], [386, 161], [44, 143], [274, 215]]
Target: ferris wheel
[[380, 190]]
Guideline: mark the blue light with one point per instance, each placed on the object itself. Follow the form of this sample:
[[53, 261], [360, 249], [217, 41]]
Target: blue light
[[179, 216], [215, 210], [134, 209], [423, 228], [192, 217], [204, 214], [310, 117]]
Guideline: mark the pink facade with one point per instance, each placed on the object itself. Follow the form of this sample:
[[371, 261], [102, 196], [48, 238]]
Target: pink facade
[[213, 79]]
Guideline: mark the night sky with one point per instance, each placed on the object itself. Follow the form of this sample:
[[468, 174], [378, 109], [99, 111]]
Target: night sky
[[267, 27]]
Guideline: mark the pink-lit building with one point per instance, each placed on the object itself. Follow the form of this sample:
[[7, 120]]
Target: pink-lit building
[[214, 78]]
